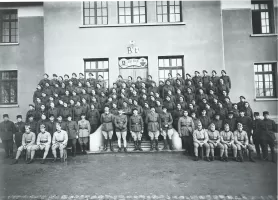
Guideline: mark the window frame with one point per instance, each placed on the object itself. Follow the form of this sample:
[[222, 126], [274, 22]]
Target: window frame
[[168, 13], [170, 68], [15, 81], [271, 16], [132, 12], [274, 81], [10, 12], [95, 16], [96, 70]]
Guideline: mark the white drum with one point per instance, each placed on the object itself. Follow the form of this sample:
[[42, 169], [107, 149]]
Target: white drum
[[96, 140]]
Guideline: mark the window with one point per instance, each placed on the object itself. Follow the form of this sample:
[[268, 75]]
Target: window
[[168, 11], [265, 79], [97, 67], [132, 12], [262, 17], [95, 12], [8, 87], [8, 26], [172, 65]]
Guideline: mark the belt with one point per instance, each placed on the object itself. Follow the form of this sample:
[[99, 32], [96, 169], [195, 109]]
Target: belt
[[43, 141], [28, 142], [84, 128], [107, 122], [61, 141]]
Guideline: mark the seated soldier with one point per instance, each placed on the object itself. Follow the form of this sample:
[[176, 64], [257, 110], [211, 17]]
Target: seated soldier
[[59, 141], [120, 122], [166, 128], [43, 143], [214, 141], [200, 139], [106, 120], [153, 123], [241, 141], [227, 140], [28, 141], [136, 127]]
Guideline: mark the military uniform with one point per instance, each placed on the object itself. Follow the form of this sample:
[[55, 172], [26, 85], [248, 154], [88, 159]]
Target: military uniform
[[152, 120], [59, 141], [53, 111], [93, 117], [33, 126], [214, 142], [185, 129], [84, 130], [51, 127], [205, 120], [241, 142], [43, 143], [72, 130], [246, 123], [200, 139], [7, 129], [136, 127], [107, 128], [28, 142], [120, 122], [227, 140], [77, 111], [19, 130], [231, 122]]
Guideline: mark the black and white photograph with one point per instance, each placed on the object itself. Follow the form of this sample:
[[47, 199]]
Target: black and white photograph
[[138, 100]]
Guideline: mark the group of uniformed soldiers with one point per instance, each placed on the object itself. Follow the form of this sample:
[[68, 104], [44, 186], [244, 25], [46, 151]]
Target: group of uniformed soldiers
[[199, 108]]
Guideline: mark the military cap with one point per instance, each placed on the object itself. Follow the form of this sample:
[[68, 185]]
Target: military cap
[[55, 75], [227, 97], [100, 76], [30, 115], [120, 76], [32, 105], [161, 81], [197, 72], [19, 116], [265, 113], [205, 71], [91, 74], [45, 74], [61, 77], [170, 74], [242, 97], [66, 75], [178, 74], [223, 71], [150, 76], [256, 113], [51, 115], [74, 74], [230, 112], [42, 126], [188, 75], [130, 77], [213, 71], [163, 107], [139, 77], [5, 115], [81, 74]]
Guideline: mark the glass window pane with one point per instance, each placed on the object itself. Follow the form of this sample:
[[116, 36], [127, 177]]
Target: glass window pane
[[92, 12], [164, 3], [264, 29], [127, 4], [105, 20], [92, 4], [136, 11], [128, 19], [174, 62], [260, 68], [171, 2], [160, 63], [121, 3], [136, 19], [172, 18], [105, 64], [164, 9], [161, 74], [121, 19], [136, 3], [142, 18], [179, 62], [99, 12], [93, 65], [99, 20], [121, 11], [127, 11], [159, 18], [172, 9], [142, 10], [166, 63]]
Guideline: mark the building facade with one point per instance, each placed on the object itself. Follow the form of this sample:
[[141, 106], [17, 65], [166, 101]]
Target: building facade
[[140, 39]]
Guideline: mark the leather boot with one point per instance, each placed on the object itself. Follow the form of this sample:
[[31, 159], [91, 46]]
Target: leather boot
[[171, 144], [135, 146], [151, 145], [105, 145], [239, 153], [273, 156], [165, 144], [111, 145], [139, 145], [250, 157], [156, 145]]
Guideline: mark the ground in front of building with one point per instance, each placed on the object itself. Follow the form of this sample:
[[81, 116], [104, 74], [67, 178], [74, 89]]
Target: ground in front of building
[[142, 176]]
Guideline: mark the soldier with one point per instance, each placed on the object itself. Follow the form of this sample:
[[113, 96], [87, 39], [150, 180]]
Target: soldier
[[169, 105], [59, 141], [85, 106], [47, 90], [227, 140], [188, 78], [81, 79], [246, 122], [51, 125], [166, 128], [211, 87], [31, 111], [43, 121], [91, 80], [37, 93], [166, 88], [205, 120], [152, 120], [226, 79], [28, 141], [248, 111], [235, 110], [19, 130], [170, 79], [106, 120], [43, 143], [205, 78], [7, 129], [66, 79], [53, 111], [214, 78], [209, 111], [179, 78], [66, 111], [268, 129], [75, 97], [241, 103], [93, 117], [177, 113], [231, 121], [38, 104], [70, 87], [120, 122], [136, 127], [214, 141], [32, 123], [54, 80], [44, 80], [77, 111], [189, 95], [200, 139], [185, 129], [74, 79], [218, 123], [241, 142], [257, 134], [196, 78], [62, 123], [195, 119], [84, 130], [72, 130]]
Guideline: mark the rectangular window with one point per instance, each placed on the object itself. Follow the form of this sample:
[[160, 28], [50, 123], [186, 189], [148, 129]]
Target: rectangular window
[[99, 66], [262, 17], [8, 26], [132, 12], [172, 65], [95, 12], [8, 87], [168, 11], [265, 79]]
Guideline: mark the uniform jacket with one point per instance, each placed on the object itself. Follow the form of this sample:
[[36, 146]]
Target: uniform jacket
[[7, 129], [77, 111], [93, 116], [241, 137], [28, 138], [196, 80], [246, 122], [218, 124], [152, 120], [53, 111], [200, 136], [213, 136], [186, 126], [40, 122], [51, 127], [107, 121], [231, 122], [166, 119], [60, 137], [206, 80], [72, 129], [215, 80], [66, 111], [120, 122], [44, 138], [205, 120], [170, 105], [84, 128], [37, 94], [227, 81], [33, 126], [226, 136]]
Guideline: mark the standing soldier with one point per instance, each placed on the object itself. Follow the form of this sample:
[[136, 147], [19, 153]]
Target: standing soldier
[[257, 134], [7, 129], [53, 111], [106, 120], [185, 129], [241, 103], [32, 123], [152, 120], [226, 79], [214, 141], [166, 128], [84, 130], [72, 130], [31, 111], [77, 111], [205, 78], [43, 143], [241, 142], [28, 141], [200, 139], [59, 141], [214, 78], [166, 88], [227, 140], [44, 80], [43, 121], [120, 122], [196, 78], [231, 121], [136, 127], [268, 129], [93, 117], [51, 125], [20, 129], [66, 111], [246, 123], [176, 115]]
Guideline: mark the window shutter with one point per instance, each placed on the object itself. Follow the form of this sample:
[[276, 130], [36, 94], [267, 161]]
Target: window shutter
[[256, 22]]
